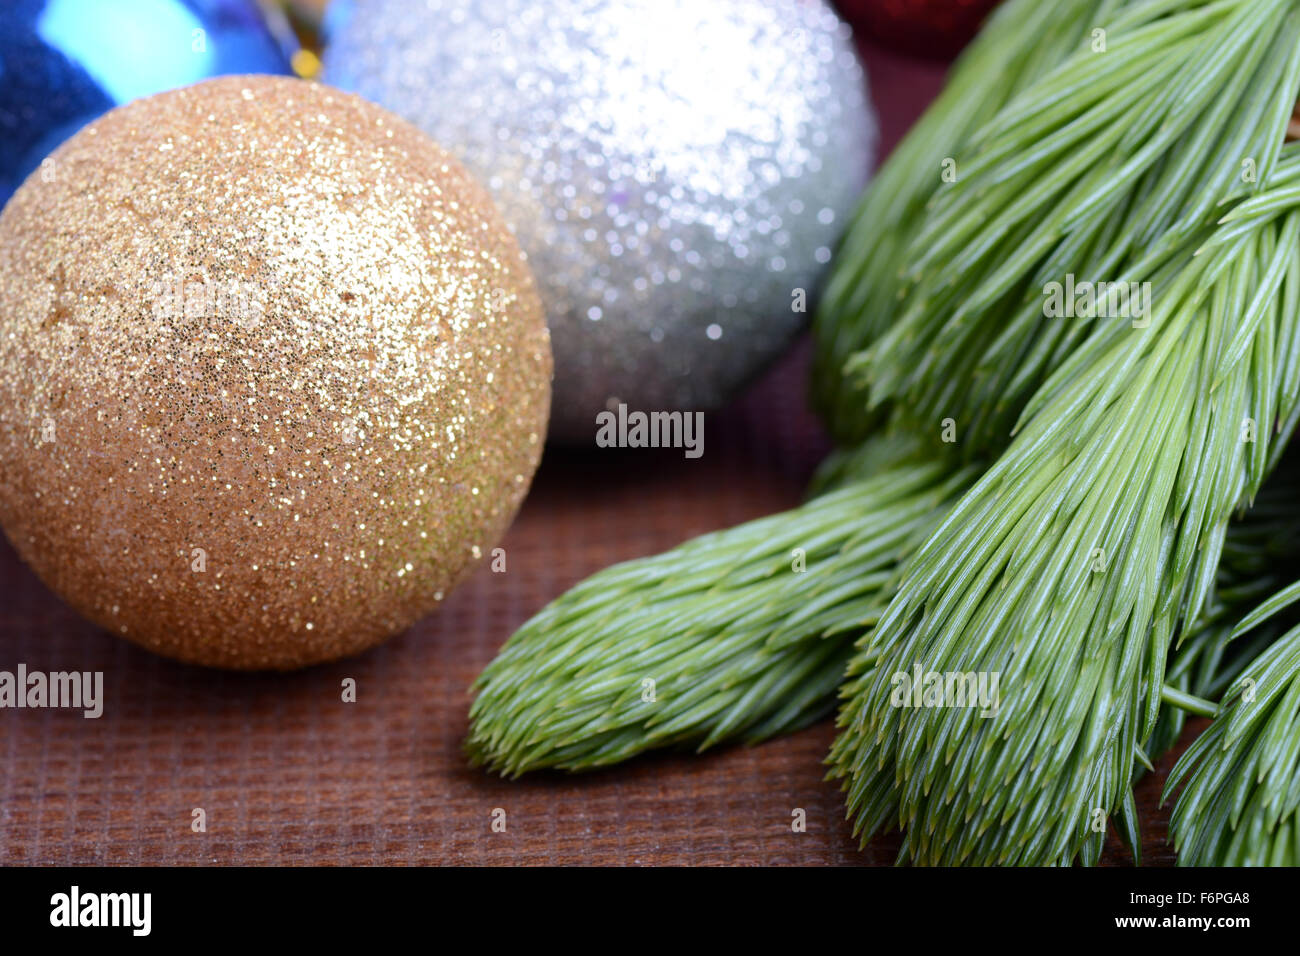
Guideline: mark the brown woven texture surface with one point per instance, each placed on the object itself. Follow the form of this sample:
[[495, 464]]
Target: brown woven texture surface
[[289, 774]]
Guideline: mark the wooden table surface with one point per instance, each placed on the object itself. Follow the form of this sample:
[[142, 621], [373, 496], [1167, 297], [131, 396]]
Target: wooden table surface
[[287, 773]]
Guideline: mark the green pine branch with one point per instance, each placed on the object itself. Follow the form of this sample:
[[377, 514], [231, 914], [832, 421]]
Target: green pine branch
[[740, 634], [1023, 40], [1259, 552], [1099, 170], [1241, 802], [1070, 566]]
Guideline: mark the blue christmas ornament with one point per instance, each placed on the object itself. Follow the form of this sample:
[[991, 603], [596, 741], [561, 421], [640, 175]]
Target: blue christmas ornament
[[65, 62]]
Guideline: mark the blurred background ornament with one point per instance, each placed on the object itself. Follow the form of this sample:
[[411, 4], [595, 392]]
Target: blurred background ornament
[[677, 171], [66, 62], [929, 28], [304, 19]]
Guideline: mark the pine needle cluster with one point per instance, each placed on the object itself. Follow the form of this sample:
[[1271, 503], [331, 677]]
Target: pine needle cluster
[[1241, 802]]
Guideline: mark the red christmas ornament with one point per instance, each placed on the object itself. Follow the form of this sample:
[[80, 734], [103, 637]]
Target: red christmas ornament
[[930, 28]]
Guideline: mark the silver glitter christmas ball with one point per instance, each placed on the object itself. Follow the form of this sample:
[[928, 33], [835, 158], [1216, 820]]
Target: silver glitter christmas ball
[[677, 171]]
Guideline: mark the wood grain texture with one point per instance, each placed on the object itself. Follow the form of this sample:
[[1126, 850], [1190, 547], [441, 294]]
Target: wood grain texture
[[289, 774]]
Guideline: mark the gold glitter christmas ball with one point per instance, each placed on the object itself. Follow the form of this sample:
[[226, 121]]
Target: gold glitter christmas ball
[[273, 373]]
